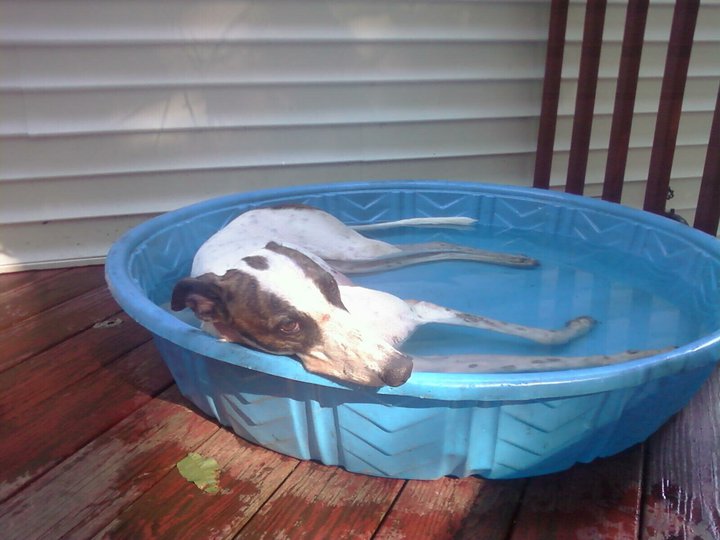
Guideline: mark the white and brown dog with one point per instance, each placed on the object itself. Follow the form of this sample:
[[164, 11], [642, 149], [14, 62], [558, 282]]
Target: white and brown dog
[[274, 279]]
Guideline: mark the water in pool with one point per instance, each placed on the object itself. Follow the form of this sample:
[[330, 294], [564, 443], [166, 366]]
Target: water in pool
[[636, 305]]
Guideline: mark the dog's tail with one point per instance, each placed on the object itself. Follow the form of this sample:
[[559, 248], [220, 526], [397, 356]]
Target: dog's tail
[[418, 222]]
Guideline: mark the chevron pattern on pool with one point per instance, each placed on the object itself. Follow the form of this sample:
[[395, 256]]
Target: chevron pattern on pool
[[165, 253], [402, 437]]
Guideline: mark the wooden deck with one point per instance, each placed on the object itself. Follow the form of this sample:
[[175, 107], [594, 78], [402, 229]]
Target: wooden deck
[[92, 427]]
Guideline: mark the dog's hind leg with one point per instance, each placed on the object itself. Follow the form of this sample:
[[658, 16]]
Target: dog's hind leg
[[463, 253], [426, 312], [411, 254], [501, 363], [445, 222]]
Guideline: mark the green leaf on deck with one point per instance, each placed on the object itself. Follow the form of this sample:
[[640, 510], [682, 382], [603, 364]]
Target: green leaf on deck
[[203, 472]]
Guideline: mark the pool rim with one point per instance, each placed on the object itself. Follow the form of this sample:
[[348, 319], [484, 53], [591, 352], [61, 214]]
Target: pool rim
[[443, 386]]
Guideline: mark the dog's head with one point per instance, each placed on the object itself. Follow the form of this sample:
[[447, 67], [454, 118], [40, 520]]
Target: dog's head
[[283, 302]]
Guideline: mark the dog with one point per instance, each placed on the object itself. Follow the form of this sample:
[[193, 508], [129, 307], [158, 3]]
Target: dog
[[276, 279]]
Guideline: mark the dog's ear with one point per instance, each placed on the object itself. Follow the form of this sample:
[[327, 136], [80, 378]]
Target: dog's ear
[[203, 295]]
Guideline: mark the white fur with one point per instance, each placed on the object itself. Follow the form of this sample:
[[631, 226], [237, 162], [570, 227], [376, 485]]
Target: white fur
[[318, 233]]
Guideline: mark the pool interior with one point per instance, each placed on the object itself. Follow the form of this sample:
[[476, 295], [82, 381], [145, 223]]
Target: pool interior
[[638, 303]]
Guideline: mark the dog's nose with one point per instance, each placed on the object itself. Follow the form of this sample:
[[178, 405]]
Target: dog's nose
[[398, 371]]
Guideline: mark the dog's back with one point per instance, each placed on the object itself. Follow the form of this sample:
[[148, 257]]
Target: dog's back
[[302, 227]]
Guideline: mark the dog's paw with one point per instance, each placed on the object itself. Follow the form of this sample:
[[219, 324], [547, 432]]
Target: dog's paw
[[581, 325]]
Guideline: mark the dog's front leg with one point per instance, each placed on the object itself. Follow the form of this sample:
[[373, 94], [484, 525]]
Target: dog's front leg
[[503, 363], [426, 312]]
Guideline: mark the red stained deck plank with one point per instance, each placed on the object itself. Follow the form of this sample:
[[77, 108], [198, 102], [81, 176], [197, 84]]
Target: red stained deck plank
[[52, 326], [44, 375], [51, 431], [682, 484], [598, 500], [14, 280], [90, 452], [323, 502], [175, 508], [42, 294], [452, 508], [87, 491]]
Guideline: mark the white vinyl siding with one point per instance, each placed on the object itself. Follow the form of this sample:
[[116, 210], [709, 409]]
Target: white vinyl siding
[[111, 112]]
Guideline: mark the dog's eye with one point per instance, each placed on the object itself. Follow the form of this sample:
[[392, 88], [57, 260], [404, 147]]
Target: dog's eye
[[289, 327]]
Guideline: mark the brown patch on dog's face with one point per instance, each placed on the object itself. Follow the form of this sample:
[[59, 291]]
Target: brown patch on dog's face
[[258, 262], [243, 313], [322, 279]]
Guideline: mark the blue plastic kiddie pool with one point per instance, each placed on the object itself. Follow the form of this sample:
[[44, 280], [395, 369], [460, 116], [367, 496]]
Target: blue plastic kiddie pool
[[649, 281]]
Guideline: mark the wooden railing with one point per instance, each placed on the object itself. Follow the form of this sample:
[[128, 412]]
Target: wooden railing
[[668, 117]]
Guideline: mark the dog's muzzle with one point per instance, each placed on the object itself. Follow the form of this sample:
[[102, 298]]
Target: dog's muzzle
[[388, 367], [397, 371]]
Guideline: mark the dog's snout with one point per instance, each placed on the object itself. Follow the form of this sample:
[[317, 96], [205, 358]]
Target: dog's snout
[[397, 371]]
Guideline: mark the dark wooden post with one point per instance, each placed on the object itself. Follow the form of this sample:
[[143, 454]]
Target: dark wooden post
[[551, 93], [625, 99], [671, 97], [585, 100], [708, 209]]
